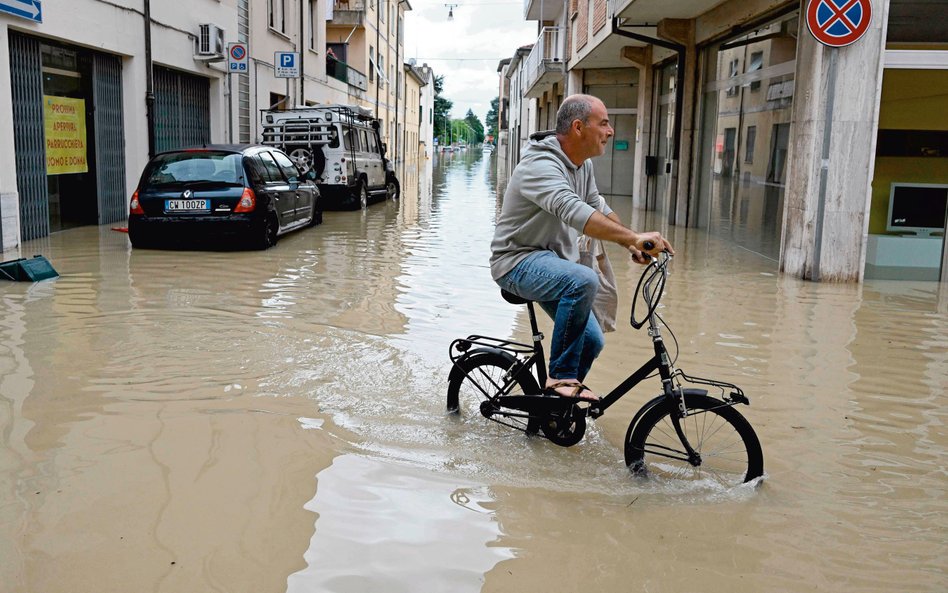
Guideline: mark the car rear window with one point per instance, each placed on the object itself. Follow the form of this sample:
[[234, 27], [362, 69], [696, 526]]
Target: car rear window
[[194, 167]]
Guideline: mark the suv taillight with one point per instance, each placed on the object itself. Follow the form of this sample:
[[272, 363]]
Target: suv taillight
[[247, 202], [134, 206]]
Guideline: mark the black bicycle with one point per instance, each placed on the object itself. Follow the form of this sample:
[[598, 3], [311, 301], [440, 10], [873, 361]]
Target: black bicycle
[[684, 433]]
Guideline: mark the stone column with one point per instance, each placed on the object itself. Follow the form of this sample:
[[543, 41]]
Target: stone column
[[641, 59], [832, 154]]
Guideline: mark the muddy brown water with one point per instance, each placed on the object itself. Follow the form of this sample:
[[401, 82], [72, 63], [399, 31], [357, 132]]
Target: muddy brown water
[[274, 421]]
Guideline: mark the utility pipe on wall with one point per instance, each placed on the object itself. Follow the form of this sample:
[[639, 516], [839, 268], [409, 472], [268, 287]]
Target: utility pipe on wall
[[149, 82]]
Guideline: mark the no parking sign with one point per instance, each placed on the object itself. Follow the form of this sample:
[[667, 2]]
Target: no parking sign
[[237, 57], [838, 23]]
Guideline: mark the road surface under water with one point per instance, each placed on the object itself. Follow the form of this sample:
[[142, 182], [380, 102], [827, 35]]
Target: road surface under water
[[274, 421]]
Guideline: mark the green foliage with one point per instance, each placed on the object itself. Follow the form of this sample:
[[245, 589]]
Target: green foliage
[[492, 118], [475, 125], [442, 110]]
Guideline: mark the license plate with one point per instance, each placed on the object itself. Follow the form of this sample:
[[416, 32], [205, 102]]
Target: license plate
[[187, 205]]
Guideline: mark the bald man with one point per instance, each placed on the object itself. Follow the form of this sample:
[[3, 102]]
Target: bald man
[[551, 200]]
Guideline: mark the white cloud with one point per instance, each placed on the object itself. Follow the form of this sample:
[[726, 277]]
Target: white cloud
[[467, 50]]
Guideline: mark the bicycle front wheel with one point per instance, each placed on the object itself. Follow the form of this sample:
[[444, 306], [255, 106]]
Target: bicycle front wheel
[[727, 449]]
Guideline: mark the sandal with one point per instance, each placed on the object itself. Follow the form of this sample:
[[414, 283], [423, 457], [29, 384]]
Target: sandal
[[577, 390]]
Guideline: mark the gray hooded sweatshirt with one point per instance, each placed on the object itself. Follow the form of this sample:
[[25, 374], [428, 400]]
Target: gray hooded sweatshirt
[[546, 206]]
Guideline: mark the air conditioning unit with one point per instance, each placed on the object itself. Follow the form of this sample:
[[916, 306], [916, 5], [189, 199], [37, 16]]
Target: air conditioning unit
[[210, 42]]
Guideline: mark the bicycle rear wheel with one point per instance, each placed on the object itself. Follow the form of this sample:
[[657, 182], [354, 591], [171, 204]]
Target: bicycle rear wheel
[[484, 375], [728, 450]]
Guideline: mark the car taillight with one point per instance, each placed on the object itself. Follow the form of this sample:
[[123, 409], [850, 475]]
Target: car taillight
[[134, 206], [247, 202]]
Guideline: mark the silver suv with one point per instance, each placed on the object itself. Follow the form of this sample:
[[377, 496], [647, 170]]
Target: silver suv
[[341, 143]]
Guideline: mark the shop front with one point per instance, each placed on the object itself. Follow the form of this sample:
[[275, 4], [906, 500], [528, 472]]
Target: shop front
[[68, 135]]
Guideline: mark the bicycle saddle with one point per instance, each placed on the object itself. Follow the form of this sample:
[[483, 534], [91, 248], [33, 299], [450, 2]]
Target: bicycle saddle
[[512, 298]]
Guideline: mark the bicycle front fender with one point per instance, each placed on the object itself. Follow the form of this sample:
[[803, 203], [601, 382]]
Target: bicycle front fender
[[658, 400]]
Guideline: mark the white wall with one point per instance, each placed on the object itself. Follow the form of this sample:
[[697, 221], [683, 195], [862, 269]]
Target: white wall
[[116, 27]]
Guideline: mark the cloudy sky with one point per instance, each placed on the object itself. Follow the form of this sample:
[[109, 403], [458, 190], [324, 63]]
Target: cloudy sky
[[467, 50]]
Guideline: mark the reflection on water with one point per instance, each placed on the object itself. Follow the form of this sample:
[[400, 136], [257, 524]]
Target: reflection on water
[[163, 414], [426, 531]]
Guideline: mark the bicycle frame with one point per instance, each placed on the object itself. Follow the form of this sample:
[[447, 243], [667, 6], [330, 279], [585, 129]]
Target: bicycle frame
[[532, 356]]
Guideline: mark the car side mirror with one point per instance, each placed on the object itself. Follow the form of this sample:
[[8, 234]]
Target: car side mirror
[[384, 147]]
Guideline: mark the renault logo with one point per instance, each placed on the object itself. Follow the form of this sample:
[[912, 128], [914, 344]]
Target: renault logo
[[187, 194]]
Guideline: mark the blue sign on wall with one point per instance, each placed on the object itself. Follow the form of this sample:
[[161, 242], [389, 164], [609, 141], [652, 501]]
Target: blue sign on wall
[[28, 9]]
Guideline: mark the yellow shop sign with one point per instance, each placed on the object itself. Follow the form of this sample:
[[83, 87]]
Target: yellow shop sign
[[65, 121]]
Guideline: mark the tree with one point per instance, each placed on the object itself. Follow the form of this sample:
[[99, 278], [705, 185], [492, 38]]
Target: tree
[[442, 110], [491, 119], [476, 126]]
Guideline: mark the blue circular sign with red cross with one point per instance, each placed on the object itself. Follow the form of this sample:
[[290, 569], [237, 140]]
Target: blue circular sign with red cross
[[838, 22], [238, 52]]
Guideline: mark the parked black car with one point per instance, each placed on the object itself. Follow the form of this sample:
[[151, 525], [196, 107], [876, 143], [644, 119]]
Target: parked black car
[[251, 194]]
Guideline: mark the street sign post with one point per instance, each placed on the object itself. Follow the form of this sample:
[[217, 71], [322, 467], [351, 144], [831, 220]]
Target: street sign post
[[237, 57], [286, 64], [838, 23], [31, 10]]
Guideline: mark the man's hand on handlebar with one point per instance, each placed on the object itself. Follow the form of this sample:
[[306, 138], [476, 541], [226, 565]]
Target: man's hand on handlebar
[[648, 245]]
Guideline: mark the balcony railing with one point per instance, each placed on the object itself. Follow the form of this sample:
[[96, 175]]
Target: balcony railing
[[346, 73], [548, 54]]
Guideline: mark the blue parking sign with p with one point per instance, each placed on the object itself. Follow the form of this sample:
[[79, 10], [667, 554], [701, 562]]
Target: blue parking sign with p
[[286, 64]]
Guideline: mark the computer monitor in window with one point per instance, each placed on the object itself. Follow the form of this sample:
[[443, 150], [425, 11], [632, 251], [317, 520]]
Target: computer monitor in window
[[917, 208]]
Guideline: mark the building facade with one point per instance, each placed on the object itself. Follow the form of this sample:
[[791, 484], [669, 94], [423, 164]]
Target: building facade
[[732, 116], [74, 131], [92, 88]]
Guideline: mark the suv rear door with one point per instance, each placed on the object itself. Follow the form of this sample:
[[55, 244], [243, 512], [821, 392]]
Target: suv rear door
[[374, 156]]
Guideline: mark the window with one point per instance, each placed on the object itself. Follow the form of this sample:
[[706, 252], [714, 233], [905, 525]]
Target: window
[[364, 141], [286, 165], [277, 102], [732, 72], [312, 24], [756, 63], [276, 14], [371, 64], [749, 144], [271, 170], [350, 140], [382, 11]]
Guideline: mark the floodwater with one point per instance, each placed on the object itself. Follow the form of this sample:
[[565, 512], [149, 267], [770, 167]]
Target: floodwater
[[274, 421]]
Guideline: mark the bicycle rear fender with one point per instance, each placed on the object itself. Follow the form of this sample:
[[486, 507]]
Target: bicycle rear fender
[[457, 372]]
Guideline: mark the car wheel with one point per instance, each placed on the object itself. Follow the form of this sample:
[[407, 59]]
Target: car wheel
[[392, 189], [303, 159], [363, 195], [267, 235]]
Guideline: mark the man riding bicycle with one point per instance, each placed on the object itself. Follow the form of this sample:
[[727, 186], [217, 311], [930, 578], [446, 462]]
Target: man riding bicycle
[[552, 199]]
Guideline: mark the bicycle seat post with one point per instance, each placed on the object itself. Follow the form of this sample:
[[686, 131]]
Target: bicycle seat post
[[537, 343]]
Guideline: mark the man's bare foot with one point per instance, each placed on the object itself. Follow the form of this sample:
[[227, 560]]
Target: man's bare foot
[[571, 388]]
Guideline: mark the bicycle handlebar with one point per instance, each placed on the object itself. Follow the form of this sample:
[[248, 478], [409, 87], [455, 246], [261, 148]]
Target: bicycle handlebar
[[655, 271]]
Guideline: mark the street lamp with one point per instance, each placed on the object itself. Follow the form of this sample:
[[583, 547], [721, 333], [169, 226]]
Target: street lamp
[[451, 8]]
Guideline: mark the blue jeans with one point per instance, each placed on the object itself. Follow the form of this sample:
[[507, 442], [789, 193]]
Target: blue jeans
[[565, 290]]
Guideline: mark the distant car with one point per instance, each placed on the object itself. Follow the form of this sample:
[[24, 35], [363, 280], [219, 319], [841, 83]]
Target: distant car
[[250, 194]]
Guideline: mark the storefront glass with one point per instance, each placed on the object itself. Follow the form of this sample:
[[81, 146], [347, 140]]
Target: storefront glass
[[745, 135]]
